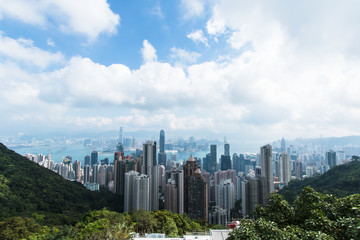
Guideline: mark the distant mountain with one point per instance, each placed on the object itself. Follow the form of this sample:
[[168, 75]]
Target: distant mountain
[[27, 188], [342, 180]]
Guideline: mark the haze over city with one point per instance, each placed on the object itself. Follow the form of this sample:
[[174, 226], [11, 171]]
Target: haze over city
[[252, 71]]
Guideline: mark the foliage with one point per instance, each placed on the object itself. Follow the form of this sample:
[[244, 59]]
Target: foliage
[[341, 181], [313, 216], [26, 187]]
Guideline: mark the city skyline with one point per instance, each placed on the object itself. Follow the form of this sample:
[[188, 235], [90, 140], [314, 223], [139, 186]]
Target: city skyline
[[253, 71]]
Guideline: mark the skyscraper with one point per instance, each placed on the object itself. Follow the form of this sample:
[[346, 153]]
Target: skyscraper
[[213, 159], [225, 162], [225, 195], [77, 170], [226, 149], [121, 136], [265, 179], [94, 157], [195, 191], [86, 174], [174, 195], [150, 168], [266, 166], [330, 158], [285, 171], [162, 155], [87, 160]]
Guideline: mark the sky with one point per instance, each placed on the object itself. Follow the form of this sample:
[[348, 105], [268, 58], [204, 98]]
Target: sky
[[247, 70]]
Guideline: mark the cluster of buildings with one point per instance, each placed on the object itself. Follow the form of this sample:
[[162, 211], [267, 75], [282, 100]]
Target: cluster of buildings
[[206, 188]]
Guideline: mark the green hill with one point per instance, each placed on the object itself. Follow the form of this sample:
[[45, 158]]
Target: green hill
[[341, 181], [27, 188]]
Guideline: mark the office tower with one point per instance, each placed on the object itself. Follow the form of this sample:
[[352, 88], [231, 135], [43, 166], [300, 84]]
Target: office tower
[[150, 168], [121, 136], [213, 159], [225, 162], [330, 158], [195, 191], [86, 174], [266, 167], [174, 194], [87, 160], [285, 171], [227, 149], [283, 145], [77, 170], [236, 162], [94, 157], [162, 155], [206, 162]]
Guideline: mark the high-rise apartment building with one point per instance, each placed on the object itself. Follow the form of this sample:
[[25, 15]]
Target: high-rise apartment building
[[174, 194], [87, 174], [77, 170], [285, 170], [225, 195], [266, 167], [195, 191]]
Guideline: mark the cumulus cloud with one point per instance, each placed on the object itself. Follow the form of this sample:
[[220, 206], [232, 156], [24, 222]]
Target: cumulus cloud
[[148, 52], [284, 85], [89, 18], [198, 36], [23, 50], [182, 56], [193, 8]]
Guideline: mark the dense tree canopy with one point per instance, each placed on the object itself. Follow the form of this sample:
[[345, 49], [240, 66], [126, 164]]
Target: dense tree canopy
[[313, 215]]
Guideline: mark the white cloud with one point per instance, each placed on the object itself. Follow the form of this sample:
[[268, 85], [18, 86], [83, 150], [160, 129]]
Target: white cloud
[[198, 36], [89, 18], [148, 52], [292, 81], [182, 56], [193, 8], [23, 50]]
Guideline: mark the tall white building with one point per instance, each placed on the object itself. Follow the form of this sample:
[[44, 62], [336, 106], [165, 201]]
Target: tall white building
[[285, 170], [129, 196]]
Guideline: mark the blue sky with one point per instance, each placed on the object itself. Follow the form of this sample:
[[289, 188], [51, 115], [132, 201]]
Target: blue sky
[[250, 70]]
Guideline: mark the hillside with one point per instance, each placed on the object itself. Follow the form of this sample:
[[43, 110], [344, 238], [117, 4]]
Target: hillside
[[341, 181], [27, 188]]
